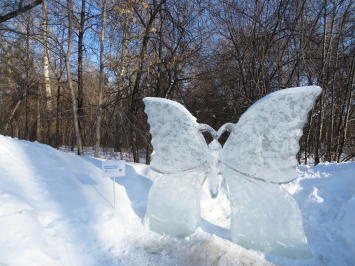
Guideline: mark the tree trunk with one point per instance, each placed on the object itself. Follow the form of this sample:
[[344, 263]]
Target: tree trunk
[[70, 85], [38, 121], [57, 117], [80, 69], [122, 69], [308, 136], [135, 98], [320, 129], [16, 129], [14, 111], [46, 79], [46, 60], [149, 150], [20, 10], [123, 55], [98, 120], [321, 82], [26, 118], [330, 141], [27, 78], [134, 145], [159, 89], [348, 96]]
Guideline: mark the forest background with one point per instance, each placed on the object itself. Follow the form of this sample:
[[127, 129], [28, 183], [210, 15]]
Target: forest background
[[74, 72]]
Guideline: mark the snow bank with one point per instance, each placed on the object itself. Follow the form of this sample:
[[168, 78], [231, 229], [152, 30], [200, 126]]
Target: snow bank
[[56, 209]]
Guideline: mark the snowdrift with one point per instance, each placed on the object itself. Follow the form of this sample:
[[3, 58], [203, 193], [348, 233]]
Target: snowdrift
[[56, 209]]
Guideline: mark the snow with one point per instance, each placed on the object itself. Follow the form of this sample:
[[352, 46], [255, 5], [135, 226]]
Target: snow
[[56, 209]]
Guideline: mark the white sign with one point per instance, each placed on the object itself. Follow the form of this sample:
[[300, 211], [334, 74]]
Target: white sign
[[113, 168]]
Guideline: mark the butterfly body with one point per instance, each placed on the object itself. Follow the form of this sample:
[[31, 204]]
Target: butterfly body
[[214, 162], [257, 157]]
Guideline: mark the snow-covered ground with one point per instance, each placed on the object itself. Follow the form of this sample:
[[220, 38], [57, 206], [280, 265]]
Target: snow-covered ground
[[56, 209]]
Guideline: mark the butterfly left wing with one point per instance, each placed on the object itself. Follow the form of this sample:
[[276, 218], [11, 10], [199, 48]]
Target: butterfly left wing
[[181, 154], [178, 144]]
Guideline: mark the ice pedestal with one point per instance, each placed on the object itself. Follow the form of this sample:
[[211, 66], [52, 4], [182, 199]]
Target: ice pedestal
[[265, 217], [174, 203]]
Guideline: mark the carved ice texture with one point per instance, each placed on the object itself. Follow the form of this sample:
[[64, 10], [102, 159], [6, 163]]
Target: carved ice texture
[[258, 156], [180, 154]]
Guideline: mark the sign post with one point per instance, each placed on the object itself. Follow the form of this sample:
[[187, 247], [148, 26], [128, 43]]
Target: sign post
[[113, 169]]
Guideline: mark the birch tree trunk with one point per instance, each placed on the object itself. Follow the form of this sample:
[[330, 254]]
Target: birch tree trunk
[[46, 80], [45, 59]]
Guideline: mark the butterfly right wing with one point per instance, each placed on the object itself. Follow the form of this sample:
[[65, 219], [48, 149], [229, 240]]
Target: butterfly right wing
[[259, 155], [264, 142]]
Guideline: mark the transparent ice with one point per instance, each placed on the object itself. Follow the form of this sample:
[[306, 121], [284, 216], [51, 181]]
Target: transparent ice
[[258, 156]]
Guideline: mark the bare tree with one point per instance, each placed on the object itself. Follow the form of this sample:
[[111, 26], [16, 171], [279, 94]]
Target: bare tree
[[19, 11], [101, 81], [69, 79]]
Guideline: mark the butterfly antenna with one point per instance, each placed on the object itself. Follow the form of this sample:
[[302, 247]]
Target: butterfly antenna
[[206, 128], [226, 127]]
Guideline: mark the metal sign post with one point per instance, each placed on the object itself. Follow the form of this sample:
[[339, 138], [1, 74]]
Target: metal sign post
[[113, 169]]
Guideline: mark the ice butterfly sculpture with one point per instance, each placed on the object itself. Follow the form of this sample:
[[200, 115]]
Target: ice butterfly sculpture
[[258, 156]]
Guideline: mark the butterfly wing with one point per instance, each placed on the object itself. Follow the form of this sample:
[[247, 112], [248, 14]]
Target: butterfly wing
[[178, 144], [181, 154], [264, 142], [260, 152]]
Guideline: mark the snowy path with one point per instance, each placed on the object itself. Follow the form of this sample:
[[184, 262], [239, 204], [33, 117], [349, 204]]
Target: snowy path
[[56, 209]]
